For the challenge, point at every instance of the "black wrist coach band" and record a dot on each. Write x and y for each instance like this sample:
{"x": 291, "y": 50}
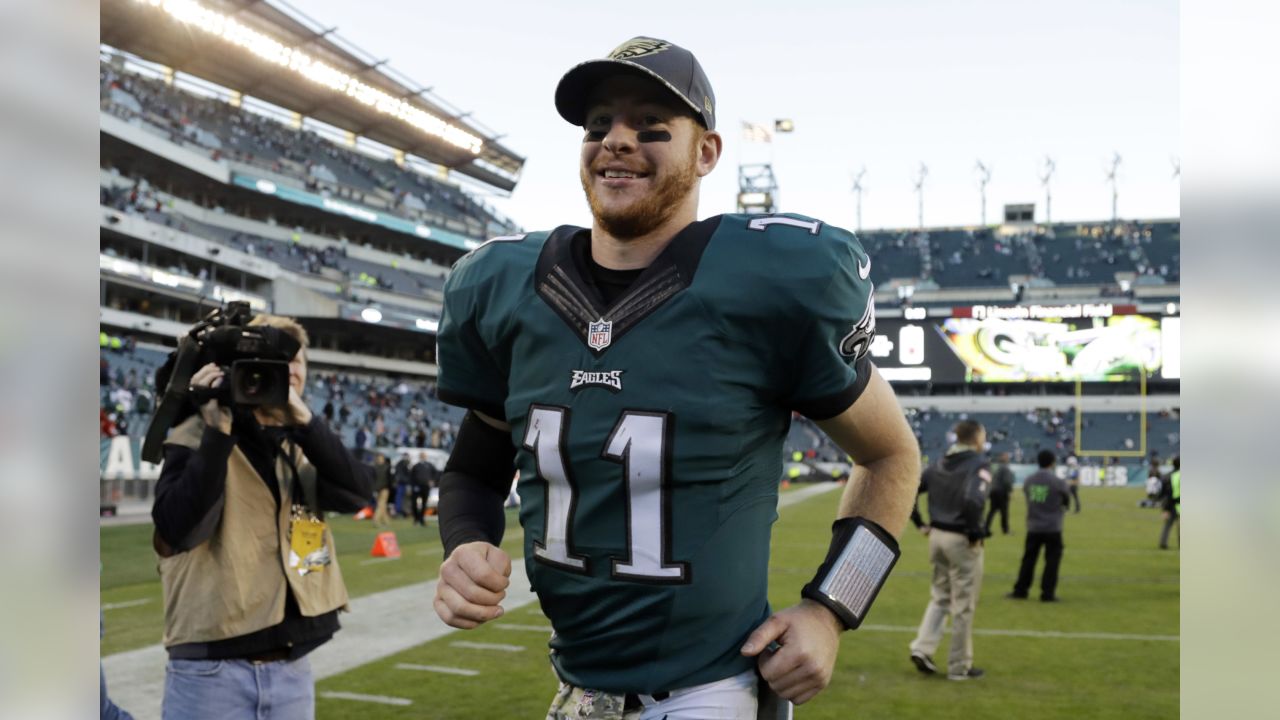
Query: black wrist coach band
{"x": 859, "y": 561}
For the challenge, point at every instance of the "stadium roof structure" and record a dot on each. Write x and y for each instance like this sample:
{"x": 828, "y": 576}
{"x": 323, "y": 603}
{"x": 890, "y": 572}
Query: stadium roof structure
{"x": 283, "y": 57}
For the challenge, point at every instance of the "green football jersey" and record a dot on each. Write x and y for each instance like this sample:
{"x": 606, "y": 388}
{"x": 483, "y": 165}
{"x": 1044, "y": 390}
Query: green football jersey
{"x": 650, "y": 431}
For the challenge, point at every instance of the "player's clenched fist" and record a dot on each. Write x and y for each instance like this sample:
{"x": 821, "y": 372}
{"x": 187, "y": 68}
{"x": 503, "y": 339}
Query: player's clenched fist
{"x": 473, "y": 581}
{"x": 808, "y": 637}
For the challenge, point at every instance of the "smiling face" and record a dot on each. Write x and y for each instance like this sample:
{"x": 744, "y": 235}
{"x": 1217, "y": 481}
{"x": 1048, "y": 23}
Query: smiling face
{"x": 642, "y": 157}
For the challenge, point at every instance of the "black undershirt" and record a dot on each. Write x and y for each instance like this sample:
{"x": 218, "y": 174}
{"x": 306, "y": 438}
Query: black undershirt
{"x": 608, "y": 284}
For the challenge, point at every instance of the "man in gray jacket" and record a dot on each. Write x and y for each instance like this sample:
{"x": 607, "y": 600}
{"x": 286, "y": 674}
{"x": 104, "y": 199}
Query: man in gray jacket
{"x": 957, "y": 486}
{"x": 1047, "y": 499}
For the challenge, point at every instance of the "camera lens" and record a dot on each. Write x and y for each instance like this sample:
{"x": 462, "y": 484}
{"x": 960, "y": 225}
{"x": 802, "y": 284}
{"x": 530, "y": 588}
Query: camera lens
{"x": 253, "y": 381}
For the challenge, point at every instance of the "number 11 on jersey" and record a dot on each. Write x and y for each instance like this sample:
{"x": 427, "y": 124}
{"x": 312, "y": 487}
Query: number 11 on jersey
{"x": 638, "y": 443}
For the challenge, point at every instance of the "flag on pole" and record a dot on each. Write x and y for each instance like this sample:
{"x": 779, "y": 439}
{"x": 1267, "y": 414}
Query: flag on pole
{"x": 752, "y": 132}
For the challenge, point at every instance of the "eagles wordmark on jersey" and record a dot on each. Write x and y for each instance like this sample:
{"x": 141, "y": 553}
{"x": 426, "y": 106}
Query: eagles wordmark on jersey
{"x": 648, "y": 503}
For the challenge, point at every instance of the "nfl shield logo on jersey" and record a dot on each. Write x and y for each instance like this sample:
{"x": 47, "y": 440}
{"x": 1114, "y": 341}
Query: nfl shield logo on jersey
{"x": 599, "y": 334}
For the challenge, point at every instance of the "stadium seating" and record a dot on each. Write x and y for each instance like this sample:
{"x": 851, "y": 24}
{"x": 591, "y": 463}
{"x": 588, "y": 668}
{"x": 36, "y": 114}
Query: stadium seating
{"x": 1065, "y": 254}
{"x": 301, "y": 259}
{"x": 256, "y": 140}
{"x": 1023, "y": 435}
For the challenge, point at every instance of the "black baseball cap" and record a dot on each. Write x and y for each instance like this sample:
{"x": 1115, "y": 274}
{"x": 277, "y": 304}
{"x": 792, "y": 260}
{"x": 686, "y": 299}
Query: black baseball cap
{"x": 671, "y": 65}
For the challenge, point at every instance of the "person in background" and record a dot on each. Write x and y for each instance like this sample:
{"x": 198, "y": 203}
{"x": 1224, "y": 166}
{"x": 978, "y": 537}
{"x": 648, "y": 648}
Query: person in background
{"x": 422, "y": 478}
{"x": 1047, "y": 500}
{"x": 1001, "y": 487}
{"x": 401, "y": 476}
{"x": 248, "y": 567}
{"x": 957, "y": 486}
{"x": 1154, "y": 484}
{"x": 1171, "y": 498}
{"x": 1073, "y": 480}
{"x": 381, "y": 486}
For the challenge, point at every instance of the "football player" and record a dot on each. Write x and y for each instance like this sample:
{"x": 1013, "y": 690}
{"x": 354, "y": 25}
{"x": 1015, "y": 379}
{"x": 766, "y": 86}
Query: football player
{"x": 640, "y": 375}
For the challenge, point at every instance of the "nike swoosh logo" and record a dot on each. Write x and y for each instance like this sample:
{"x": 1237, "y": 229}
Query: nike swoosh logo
{"x": 864, "y": 271}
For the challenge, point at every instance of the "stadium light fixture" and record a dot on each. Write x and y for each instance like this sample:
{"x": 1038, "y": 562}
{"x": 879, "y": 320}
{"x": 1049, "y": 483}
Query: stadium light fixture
{"x": 427, "y": 324}
{"x": 1045, "y": 177}
{"x": 267, "y": 48}
{"x": 371, "y": 315}
{"x": 919, "y": 185}
{"x": 984, "y": 177}
{"x": 1115, "y": 193}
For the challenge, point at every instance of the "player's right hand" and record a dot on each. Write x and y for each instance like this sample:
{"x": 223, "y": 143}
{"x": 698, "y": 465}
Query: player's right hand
{"x": 473, "y": 581}
{"x": 213, "y": 414}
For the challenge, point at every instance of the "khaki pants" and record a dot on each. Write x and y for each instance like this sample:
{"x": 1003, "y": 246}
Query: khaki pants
{"x": 957, "y": 582}
{"x": 381, "y": 517}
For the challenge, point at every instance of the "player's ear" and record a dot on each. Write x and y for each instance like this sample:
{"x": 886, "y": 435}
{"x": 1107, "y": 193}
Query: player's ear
{"x": 710, "y": 145}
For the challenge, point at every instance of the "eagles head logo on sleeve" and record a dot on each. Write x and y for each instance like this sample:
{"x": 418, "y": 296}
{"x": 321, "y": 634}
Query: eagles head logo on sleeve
{"x": 638, "y": 47}
{"x": 858, "y": 341}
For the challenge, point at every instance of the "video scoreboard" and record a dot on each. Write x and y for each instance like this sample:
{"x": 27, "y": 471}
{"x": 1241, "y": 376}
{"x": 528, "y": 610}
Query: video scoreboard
{"x": 1028, "y": 343}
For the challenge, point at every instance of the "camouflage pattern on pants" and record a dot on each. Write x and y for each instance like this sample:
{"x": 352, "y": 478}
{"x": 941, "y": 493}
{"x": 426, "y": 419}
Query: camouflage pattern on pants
{"x": 575, "y": 703}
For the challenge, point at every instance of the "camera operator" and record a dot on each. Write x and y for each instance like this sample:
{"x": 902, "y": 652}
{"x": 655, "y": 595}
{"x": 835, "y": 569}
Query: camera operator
{"x": 248, "y": 567}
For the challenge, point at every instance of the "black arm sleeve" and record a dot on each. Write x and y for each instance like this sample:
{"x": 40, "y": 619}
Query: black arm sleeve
{"x": 475, "y": 485}
{"x": 191, "y": 490}
{"x": 343, "y": 483}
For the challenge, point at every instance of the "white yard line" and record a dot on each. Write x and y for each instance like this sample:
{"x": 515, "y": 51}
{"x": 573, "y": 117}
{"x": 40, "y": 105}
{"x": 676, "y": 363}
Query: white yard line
{"x": 438, "y": 669}
{"x": 1038, "y": 634}
{"x": 379, "y": 699}
{"x": 525, "y": 628}
{"x": 126, "y": 604}
{"x": 378, "y": 626}
{"x": 467, "y": 644}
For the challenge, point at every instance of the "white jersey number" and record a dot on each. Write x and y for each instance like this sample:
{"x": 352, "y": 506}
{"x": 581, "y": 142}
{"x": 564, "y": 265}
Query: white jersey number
{"x": 638, "y": 443}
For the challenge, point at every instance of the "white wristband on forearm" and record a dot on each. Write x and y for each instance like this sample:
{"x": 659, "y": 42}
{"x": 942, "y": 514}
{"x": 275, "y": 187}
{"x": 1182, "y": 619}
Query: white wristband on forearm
{"x": 859, "y": 561}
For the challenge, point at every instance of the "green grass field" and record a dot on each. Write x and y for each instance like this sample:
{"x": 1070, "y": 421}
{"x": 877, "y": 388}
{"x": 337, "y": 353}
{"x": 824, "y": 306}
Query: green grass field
{"x": 1114, "y": 582}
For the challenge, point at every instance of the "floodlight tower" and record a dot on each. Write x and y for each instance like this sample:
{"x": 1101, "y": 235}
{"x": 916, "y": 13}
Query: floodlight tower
{"x": 857, "y": 189}
{"x": 1115, "y": 194}
{"x": 757, "y": 189}
{"x": 919, "y": 185}
{"x": 1045, "y": 176}
{"x": 757, "y": 185}
{"x": 984, "y": 176}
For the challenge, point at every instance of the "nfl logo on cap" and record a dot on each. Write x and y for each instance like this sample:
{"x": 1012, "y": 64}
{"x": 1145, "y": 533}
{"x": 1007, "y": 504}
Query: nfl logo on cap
{"x": 599, "y": 334}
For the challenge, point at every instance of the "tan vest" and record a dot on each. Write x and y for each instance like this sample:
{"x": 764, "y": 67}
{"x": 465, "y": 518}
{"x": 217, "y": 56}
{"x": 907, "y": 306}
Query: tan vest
{"x": 234, "y": 583}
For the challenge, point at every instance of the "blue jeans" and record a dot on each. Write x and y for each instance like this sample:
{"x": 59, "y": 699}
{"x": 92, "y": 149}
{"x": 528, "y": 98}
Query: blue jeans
{"x": 235, "y": 689}
{"x": 109, "y": 710}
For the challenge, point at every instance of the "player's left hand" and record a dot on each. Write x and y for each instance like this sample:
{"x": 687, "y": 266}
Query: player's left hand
{"x": 809, "y": 635}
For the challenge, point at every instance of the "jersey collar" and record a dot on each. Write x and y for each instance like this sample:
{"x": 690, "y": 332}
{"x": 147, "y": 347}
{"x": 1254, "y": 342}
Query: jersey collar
{"x": 561, "y": 284}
